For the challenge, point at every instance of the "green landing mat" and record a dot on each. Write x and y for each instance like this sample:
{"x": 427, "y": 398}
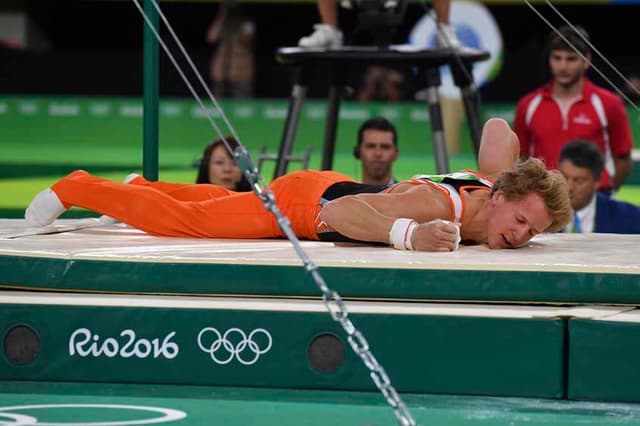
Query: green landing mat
{"x": 42, "y": 403}
{"x": 603, "y": 358}
{"x": 82, "y": 275}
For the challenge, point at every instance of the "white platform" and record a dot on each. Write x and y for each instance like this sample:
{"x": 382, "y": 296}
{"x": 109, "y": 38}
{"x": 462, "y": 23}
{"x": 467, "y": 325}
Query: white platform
{"x": 548, "y": 252}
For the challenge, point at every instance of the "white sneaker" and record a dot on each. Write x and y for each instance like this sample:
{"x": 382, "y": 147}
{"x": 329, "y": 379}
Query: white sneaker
{"x": 446, "y": 37}
{"x": 324, "y": 36}
{"x": 44, "y": 209}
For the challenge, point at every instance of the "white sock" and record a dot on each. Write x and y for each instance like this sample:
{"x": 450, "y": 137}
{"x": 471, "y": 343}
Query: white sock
{"x": 107, "y": 220}
{"x": 130, "y": 177}
{"x": 44, "y": 209}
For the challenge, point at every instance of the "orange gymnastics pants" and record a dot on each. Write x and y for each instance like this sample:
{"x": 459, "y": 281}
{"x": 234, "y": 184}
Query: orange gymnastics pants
{"x": 201, "y": 210}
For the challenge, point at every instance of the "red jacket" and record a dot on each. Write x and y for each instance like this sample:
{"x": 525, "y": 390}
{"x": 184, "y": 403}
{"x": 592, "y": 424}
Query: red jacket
{"x": 598, "y": 116}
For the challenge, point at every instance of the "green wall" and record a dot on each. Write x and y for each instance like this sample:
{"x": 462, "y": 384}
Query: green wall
{"x": 44, "y": 138}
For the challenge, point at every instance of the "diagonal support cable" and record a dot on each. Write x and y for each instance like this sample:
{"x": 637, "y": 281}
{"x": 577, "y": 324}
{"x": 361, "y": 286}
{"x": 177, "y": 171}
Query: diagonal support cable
{"x": 546, "y": 21}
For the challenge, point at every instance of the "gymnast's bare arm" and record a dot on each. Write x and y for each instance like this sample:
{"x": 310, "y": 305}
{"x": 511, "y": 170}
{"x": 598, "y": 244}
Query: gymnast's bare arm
{"x": 499, "y": 148}
{"x": 369, "y": 217}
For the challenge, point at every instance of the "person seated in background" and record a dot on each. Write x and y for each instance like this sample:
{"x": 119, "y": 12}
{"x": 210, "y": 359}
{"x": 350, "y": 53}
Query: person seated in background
{"x": 328, "y": 35}
{"x": 504, "y": 205}
{"x": 377, "y": 149}
{"x": 582, "y": 163}
{"x": 219, "y": 168}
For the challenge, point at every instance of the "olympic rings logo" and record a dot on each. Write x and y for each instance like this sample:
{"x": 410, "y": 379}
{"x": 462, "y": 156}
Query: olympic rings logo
{"x": 234, "y": 343}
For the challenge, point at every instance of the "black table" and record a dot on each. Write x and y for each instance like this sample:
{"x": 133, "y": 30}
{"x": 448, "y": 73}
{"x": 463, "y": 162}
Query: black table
{"x": 426, "y": 61}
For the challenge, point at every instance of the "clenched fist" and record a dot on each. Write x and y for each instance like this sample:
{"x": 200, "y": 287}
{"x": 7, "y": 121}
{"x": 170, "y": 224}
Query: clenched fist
{"x": 437, "y": 235}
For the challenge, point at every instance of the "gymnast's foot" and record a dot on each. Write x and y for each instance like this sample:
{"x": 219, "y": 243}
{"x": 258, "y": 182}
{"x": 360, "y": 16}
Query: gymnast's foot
{"x": 46, "y": 206}
{"x": 446, "y": 37}
{"x": 131, "y": 177}
{"x": 324, "y": 36}
{"x": 44, "y": 209}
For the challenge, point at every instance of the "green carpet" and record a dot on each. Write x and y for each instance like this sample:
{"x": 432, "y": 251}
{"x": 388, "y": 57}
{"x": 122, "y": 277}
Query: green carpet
{"x": 112, "y": 404}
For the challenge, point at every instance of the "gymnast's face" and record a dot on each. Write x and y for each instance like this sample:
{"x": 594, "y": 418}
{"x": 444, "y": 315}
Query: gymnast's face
{"x": 514, "y": 222}
{"x": 223, "y": 170}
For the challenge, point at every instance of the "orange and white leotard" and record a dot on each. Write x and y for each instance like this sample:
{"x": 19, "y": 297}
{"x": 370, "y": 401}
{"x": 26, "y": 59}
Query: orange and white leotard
{"x": 452, "y": 185}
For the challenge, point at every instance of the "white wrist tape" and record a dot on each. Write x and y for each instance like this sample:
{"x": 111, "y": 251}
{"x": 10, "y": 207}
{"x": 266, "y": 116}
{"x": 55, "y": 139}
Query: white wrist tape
{"x": 401, "y": 233}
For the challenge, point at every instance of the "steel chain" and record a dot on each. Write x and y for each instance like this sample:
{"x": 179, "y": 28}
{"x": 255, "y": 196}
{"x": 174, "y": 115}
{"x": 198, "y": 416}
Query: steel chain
{"x": 331, "y": 298}
{"x": 360, "y": 346}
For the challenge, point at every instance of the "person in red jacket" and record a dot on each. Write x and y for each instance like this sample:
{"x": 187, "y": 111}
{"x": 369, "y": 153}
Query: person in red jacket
{"x": 572, "y": 107}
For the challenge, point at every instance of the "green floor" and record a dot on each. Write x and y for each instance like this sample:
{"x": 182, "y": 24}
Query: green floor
{"x": 108, "y": 404}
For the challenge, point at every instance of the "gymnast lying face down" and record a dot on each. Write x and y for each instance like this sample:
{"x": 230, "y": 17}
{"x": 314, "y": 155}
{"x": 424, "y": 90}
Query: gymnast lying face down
{"x": 502, "y": 205}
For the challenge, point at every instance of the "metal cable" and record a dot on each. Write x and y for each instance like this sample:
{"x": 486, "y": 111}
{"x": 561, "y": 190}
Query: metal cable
{"x": 546, "y": 21}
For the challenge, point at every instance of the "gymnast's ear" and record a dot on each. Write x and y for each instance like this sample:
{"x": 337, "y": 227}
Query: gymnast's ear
{"x": 356, "y": 151}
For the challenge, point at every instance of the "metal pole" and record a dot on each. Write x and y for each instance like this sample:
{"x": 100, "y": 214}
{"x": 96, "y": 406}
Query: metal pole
{"x": 331, "y": 129}
{"x": 462, "y": 73}
{"x": 435, "y": 115}
{"x": 150, "y": 95}
{"x": 471, "y": 101}
{"x": 298, "y": 95}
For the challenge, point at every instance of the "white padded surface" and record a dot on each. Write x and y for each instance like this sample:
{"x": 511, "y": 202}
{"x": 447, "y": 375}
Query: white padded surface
{"x": 547, "y": 252}
{"x": 291, "y": 305}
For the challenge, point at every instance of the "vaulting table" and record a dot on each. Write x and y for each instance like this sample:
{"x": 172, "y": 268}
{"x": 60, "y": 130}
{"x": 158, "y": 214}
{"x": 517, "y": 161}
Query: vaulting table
{"x": 427, "y": 62}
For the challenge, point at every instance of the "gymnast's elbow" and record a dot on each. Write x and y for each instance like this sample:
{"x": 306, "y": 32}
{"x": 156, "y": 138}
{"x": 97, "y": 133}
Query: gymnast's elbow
{"x": 341, "y": 211}
{"x": 331, "y": 213}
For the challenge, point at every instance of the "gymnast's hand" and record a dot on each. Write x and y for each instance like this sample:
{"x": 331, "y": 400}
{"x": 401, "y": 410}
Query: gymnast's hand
{"x": 436, "y": 235}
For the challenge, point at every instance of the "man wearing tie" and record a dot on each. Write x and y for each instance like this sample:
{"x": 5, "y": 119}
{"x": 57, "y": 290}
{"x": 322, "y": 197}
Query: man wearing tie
{"x": 581, "y": 163}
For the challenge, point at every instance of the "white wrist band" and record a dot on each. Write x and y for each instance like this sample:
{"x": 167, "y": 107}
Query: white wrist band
{"x": 401, "y": 232}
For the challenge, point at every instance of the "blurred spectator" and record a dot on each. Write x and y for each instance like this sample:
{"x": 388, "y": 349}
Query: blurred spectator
{"x": 231, "y": 34}
{"x": 377, "y": 149}
{"x": 581, "y": 163}
{"x": 327, "y": 33}
{"x": 632, "y": 89}
{"x": 381, "y": 84}
{"x": 572, "y": 107}
{"x": 218, "y": 167}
